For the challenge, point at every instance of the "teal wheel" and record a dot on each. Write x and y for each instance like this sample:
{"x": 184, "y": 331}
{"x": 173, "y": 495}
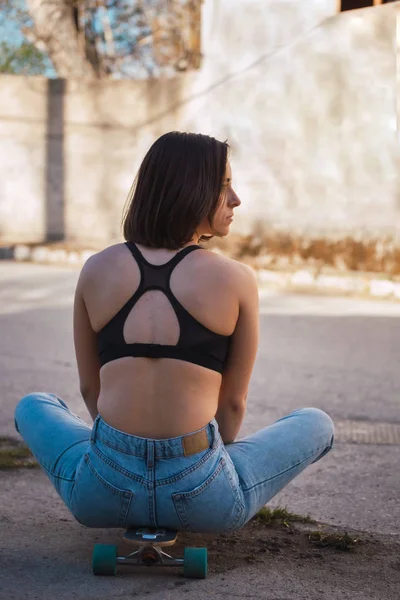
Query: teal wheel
{"x": 195, "y": 563}
{"x": 104, "y": 559}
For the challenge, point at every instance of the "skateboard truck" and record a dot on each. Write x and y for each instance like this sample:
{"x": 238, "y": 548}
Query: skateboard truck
{"x": 149, "y": 553}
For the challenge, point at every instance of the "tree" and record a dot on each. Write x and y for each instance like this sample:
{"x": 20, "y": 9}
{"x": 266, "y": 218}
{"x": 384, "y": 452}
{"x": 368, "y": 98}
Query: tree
{"x": 24, "y": 59}
{"x": 93, "y": 39}
{"x": 56, "y": 26}
{"x": 17, "y": 54}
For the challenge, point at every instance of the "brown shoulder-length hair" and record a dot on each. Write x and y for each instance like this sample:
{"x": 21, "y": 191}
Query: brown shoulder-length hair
{"x": 178, "y": 185}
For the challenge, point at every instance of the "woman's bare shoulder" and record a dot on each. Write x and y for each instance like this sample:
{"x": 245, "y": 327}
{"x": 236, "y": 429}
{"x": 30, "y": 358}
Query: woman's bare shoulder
{"x": 226, "y": 270}
{"x": 234, "y": 267}
{"x": 107, "y": 259}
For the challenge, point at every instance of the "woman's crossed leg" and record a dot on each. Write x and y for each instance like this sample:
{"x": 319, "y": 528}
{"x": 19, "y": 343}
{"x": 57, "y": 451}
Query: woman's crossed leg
{"x": 269, "y": 459}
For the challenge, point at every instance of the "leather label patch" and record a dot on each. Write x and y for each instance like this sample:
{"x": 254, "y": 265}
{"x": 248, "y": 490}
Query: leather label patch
{"x": 195, "y": 442}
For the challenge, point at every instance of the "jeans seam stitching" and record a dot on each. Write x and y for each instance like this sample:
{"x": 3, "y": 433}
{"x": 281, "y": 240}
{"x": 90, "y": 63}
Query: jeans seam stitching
{"x": 189, "y": 470}
{"x": 189, "y": 495}
{"x": 122, "y": 521}
{"x": 116, "y": 491}
{"x": 237, "y": 496}
{"x": 119, "y": 449}
{"x": 50, "y": 472}
{"x": 118, "y": 468}
{"x": 69, "y": 447}
{"x": 181, "y": 514}
{"x": 204, "y": 485}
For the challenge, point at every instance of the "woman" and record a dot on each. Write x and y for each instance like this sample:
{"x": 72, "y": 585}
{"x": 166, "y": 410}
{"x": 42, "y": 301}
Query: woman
{"x": 166, "y": 335}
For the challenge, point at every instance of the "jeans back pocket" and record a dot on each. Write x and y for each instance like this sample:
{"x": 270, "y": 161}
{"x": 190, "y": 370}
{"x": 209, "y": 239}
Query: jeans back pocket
{"x": 214, "y": 506}
{"x": 95, "y": 502}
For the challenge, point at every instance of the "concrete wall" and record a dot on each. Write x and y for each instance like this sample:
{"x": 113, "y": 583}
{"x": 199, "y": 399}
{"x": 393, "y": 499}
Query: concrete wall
{"x": 305, "y": 96}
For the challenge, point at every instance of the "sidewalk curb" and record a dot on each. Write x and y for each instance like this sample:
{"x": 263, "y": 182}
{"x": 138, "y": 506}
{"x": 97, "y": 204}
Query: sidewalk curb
{"x": 306, "y": 280}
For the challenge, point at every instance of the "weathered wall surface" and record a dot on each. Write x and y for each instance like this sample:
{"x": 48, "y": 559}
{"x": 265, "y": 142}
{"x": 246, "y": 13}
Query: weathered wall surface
{"x": 306, "y": 98}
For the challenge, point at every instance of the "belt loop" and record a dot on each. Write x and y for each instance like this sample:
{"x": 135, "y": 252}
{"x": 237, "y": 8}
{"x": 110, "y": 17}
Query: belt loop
{"x": 94, "y": 429}
{"x": 214, "y": 433}
{"x": 150, "y": 454}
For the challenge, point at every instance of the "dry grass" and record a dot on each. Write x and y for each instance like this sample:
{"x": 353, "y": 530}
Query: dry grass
{"x": 338, "y": 541}
{"x": 15, "y": 455}
{"x": 280, "y": 516}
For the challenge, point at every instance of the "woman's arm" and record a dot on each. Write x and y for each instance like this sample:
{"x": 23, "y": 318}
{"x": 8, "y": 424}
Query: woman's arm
{"x": 86, "y": 350}
{"x": 242, "y": 355}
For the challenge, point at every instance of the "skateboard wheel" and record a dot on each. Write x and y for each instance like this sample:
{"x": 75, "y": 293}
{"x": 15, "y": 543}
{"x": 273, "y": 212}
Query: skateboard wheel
{"x": 104, "y": 559}
{"x": 195, "y": 563}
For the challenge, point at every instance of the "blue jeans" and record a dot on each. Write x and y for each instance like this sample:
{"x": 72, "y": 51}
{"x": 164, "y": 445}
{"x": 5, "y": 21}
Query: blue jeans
{"x": 108, "y": 478}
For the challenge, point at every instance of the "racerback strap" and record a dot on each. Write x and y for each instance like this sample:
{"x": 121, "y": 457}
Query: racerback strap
{"x": 157, "y": 276}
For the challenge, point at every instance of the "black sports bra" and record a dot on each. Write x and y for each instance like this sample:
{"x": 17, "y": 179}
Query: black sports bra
{"x": 196, "y": 343}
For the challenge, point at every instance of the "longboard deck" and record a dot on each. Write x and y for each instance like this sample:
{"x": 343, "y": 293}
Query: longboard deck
{"x": 145, "y": 536}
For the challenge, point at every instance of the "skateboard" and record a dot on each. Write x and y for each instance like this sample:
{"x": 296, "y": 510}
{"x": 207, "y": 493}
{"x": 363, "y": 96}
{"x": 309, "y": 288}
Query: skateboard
{"x": 150, "y": 544}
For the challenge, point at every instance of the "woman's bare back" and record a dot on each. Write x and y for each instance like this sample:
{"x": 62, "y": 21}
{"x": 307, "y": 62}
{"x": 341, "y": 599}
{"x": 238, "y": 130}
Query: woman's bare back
{"x": 160, "y": 398}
